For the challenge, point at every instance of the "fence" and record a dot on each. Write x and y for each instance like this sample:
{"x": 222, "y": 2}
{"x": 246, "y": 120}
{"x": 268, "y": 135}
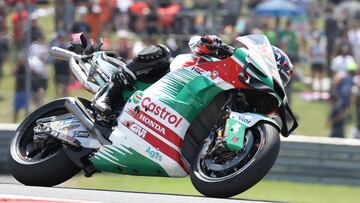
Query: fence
{"x": 301, "y": 158}
{"x": 318, "y": 160}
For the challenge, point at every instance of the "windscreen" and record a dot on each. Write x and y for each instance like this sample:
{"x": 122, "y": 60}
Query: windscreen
{"x": 260, "y": 52}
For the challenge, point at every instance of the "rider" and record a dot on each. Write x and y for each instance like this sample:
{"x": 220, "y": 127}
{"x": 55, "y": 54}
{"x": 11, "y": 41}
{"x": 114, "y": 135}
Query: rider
{"x": 109, "y": 98}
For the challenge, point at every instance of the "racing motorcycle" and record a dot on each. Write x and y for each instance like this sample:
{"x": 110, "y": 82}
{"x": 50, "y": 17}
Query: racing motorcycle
{"x": 218, "y": 121}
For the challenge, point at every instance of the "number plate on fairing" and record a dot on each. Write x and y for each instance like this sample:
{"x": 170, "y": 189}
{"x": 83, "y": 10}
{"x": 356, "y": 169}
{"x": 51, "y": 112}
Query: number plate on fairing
{"x": 236, "y": 125}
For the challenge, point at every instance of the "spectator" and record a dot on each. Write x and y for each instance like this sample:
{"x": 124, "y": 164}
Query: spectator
{"x": 136, "y": 13}
{"x": 340, "y": 100}
{"x": 4, "y": 45}
{"x": 354, "y": 40}
{"x": 343, "y": 60}
{"x": 60, "y": 11}
{"x": 121, "y": 17}
{"x": 318, "y": 60}
{"x": 69, "y": 15}
{"x": 19, "y": 21}
{"x": 342, "y": 41}
{"x": 289, "y": 44}
{"x": 270, "y": 33}
{"x": 61, "y": 67}
{"x": 124, "y": 45}
{"x": 152, "y": 21}
{"x": 36, "y": 30}
{"x": 199, "y": 25}
{"x": 233, "y": 9}
{"x": 81, "y": 25}
{"x": 336, "y": 120}
{"x": 106, "y": 8}
{"x": 167, "y": 13}
{"x": 92, "y": 18}
{"x": 37, "y": 60}
{"x": 331, "y": 32}
{"x": 21, "y": 98}
{"x": 124, "y": 5}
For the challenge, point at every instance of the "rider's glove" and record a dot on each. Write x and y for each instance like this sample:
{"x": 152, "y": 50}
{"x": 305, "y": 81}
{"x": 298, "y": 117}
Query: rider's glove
{"x": 204, "y": 45}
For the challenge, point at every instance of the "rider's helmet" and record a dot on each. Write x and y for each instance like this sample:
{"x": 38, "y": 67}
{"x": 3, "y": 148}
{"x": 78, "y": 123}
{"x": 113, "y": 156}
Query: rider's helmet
{"x": 284, "y": 65}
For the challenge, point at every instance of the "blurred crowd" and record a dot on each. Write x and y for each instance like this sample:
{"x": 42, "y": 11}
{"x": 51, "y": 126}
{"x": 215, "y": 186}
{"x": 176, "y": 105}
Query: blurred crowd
{"x": 322, "y": 38}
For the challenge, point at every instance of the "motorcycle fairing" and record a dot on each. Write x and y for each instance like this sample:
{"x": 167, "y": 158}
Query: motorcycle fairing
{"x": 154, "y": 121}
{"x": 237, "y": 124}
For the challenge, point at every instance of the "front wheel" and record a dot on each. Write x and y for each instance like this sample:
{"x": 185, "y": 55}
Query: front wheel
{"x": 40, "y": 165}
{"x": 224, "y": 173}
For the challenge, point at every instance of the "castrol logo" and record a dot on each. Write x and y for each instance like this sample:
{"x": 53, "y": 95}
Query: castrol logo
{"x": 161, "y": 111}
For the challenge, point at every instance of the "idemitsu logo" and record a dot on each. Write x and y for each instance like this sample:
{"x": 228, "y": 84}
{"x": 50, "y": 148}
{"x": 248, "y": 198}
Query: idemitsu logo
{"x": 160, "y": 111}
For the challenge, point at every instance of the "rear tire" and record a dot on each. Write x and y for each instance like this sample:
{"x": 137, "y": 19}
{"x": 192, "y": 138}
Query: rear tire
{"x": 52, "y": 167}
{"x": 246, "y": 176}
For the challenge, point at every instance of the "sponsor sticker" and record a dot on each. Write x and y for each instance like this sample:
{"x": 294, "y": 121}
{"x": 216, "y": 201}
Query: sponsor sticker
{"x": 236, "y": 127}
{"x": 244, "y": 119}
{"x": 138, "y": 130}
{"x": 197, "y": 70}
{"x": 214, "y": 75}
{"x": 82, "y": 134}
{"x": 152, "y": 124}
{"x": 153, "y": 153}
{"x": 70, "y": 127}
{"x": 234, "y": 139}
{"x": 161, "y": 111}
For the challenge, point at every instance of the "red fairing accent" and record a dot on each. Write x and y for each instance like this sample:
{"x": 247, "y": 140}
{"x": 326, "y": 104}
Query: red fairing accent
{"x": 227, "y": 69}
{"x": 158, "y": 144}
{"x": 168, "y": 134}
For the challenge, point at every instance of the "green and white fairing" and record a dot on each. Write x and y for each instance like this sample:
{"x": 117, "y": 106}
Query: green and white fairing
{"x": 153, "y": 123}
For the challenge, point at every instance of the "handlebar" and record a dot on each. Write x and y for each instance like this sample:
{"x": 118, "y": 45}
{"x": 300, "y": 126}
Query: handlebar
{"x": 63, "y": 54}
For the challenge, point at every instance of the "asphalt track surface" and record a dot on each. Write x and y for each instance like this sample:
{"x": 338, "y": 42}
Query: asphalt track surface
{"x": 10, "y": 188}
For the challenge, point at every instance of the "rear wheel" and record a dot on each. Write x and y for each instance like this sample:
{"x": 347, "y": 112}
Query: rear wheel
{"x": 219, "y": 172}
{"x": 44, "y": 164}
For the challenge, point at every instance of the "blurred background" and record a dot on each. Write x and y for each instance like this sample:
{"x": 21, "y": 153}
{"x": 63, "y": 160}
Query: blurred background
{"x": 321, "y": 37}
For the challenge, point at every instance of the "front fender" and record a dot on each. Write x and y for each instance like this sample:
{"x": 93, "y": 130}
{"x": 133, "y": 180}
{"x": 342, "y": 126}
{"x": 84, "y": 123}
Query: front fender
{"x": 236, "y": 125}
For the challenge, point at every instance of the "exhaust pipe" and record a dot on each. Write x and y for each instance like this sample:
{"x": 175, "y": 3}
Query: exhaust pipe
{"x": 75, "y": 107}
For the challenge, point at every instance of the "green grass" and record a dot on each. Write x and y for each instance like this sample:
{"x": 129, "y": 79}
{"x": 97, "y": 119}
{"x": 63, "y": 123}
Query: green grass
{"x": 311, "y": 116}
{"x": 265, "y": 190}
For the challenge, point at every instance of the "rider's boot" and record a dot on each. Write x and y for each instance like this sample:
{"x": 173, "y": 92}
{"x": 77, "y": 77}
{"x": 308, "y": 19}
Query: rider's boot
{"x": 109, "y": 99}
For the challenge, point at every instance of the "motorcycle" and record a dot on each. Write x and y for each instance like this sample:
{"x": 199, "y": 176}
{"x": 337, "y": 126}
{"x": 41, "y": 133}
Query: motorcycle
{"x": 218, "y": 121}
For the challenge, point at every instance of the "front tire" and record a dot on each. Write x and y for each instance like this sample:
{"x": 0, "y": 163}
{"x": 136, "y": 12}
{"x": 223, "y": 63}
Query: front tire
{"x": 35, "y": 166}
{"x": 249, "y": 171}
